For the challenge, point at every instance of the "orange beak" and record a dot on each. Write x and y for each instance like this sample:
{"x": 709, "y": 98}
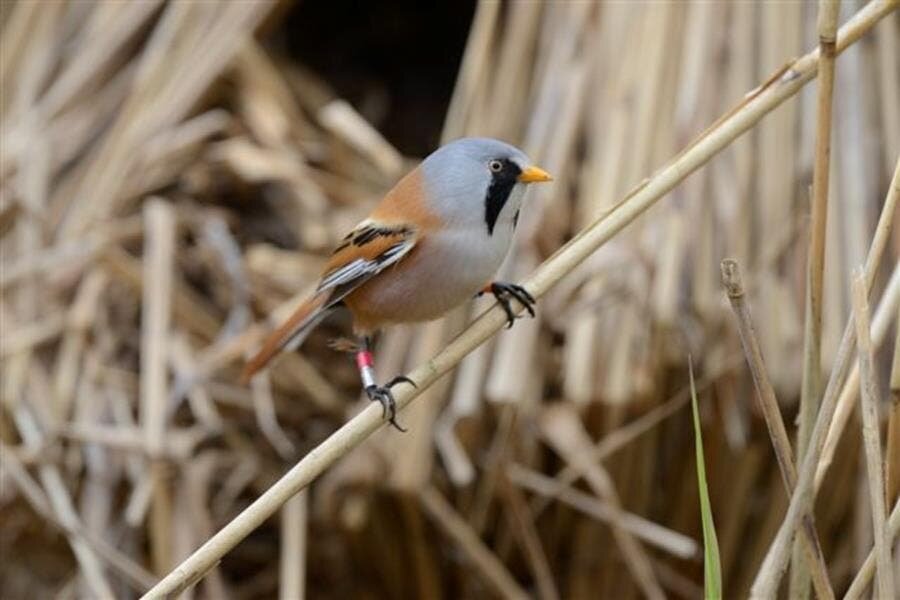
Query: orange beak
{"x": 534, "y": 175}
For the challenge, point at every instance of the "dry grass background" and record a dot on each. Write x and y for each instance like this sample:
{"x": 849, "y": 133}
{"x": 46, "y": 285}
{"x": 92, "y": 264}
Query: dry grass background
{"x": 168, "y": 181}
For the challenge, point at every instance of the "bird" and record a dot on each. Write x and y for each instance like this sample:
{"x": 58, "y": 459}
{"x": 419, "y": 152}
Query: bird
{"x": 435, "y": 240}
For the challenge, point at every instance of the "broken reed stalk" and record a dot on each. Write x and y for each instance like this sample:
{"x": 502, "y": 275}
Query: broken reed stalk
{"x": 770, "y": 572}
{"x": 809, "y": 541}
{"x": 815, "y": 266}
{"x": 868, "y": 396}
{"x": 758, "y": 103}
{"x": 734, "y": 287}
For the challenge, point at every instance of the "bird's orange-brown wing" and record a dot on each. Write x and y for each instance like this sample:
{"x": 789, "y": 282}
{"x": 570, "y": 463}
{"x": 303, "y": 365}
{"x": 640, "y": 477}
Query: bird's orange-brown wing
{"x": 363, "y": 253}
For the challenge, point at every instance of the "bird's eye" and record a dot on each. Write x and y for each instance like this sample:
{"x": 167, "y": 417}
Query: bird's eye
{"x": 496, "y": 166}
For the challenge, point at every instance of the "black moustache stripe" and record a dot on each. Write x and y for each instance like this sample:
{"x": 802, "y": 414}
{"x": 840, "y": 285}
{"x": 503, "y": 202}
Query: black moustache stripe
{"x": 502, "y": 183}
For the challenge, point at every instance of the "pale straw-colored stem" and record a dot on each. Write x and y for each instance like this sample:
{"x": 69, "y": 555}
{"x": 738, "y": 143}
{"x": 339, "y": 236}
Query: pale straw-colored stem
{"x": 770, "y": 572}
{"x": 159, "y": 250}
{"x": 294, "y": 540}
{"x": 815, "y": 265}
{"x": 847, "y": 399}
{"x": 754, "y": 107}
{"x": 868, "y": 393}
{"x": 860, "y": 584}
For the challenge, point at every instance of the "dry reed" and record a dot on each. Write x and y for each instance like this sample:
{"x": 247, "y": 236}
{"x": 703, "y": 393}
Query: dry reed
{"x": 815, "y": 271}
{"x": 167, "y": 177}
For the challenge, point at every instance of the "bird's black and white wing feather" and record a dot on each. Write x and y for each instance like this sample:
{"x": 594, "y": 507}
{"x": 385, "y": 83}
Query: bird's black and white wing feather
{"x": 366, "y": 251}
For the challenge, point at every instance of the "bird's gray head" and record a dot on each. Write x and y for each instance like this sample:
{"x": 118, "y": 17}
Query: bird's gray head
{"x": 479, "y": 179}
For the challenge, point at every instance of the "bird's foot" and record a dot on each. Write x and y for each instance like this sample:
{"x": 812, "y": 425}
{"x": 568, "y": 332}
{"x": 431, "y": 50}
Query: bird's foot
{"x": 400, "y": 379}
{"x": 380, "y": 393}
{"x": 383, "y": 395}
{"x": 505, "y": 292}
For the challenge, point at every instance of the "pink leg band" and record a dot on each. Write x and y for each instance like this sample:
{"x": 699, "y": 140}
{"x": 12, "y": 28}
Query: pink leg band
{"x": 364, "y": 362}
{"x": 364, "y": 359}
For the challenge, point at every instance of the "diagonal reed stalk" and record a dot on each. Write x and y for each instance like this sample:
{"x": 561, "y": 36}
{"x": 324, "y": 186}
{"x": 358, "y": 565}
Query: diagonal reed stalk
{"x": 847, "y": 398}
{"x": 866, "y": 572}
{"x": 759, "y": 102}
{"x": 812, "y": 551}
{"x": 770, "y": 572}
{"x": 815, "y": 266}
{"x": 869, "y": 401}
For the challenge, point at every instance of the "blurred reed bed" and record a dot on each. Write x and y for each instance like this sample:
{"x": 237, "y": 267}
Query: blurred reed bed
{"x": 171, "y": 187}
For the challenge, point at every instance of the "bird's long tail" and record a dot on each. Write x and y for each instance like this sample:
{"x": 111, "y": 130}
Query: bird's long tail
{"x": 289, "y": 335}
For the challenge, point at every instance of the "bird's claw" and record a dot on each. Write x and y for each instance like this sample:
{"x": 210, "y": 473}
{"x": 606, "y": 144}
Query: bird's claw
{"x": 383, "y": 395}
{"x": 400, "y": 379}
{"x": 504, "y": 291}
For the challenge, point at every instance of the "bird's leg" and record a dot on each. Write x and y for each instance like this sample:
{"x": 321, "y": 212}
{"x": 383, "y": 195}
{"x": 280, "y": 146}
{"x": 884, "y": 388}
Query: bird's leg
{"x": 375, "y": 392}
{"x": 504, "y": 292}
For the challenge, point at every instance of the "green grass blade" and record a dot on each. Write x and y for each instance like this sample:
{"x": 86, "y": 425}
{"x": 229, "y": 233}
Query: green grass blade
{"x": 712, "y": 568}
